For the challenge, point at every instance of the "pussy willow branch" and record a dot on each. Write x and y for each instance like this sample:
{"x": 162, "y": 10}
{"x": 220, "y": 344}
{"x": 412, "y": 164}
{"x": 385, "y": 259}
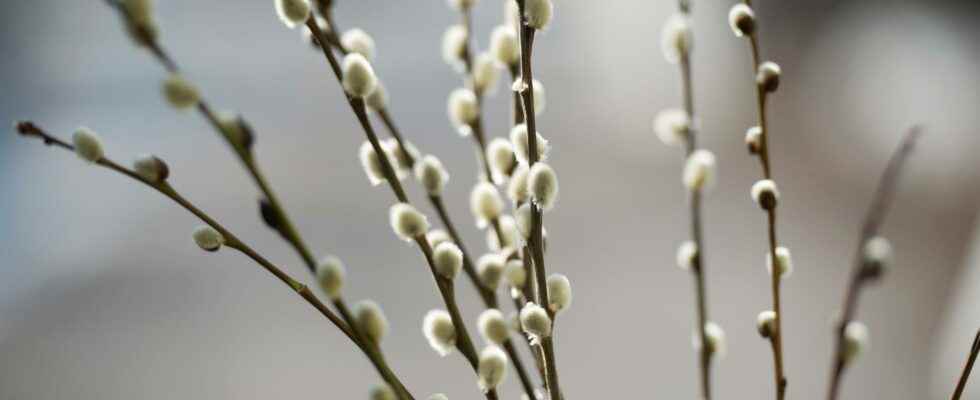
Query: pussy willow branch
{"x": 463, "y": 341}
{"x": 961, "y": 385}
{"x": 697, "y": 266}
{"x": 880, "y": 205}
{"x": 284, "y": 225}
{"x": 29, "y": 129}
{"x": 776, "y": 337}
{"x": 486, "y": 294}
{"x": 477, "y": 125}
{"x": 537, "y": 220}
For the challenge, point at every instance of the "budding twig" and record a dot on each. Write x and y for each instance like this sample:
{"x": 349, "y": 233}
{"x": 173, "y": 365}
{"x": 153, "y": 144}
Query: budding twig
{"x": 29, "y": 129}
{"x": 880, "y": 204}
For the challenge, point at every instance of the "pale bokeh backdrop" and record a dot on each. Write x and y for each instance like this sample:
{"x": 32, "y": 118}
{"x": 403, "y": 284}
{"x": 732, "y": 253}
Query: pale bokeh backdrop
{"x": 103, "y": 295}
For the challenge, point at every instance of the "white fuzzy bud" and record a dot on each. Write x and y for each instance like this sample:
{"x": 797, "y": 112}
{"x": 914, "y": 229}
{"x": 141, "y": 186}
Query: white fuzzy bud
{"x": 330, "y": 274}
{"x": 505, "y": 46}
{"x": 715, "y": 338}
{"x": 512, "y": 14}
{"x": 500, "y": 153}
{"x": 559, "y": 292}
{"x": 515, "y": 274}
{"x": 88, "y": 145}
{"x": 768, "y": 76}
{"x": 542, "y": 184}
{"x": 371, "y": 164}
{"x": 437, "y": 237}
{"x": 378, "y": 99}
{"x": 741, "y": 18}
{"x": 490, "y": 268}
{"x": 382, "y": 392}
{"x": 235, "y": 129}
{"x": 687, "y": 252}
{"x": 485, "y": 203}
{"x": 535, "y": 321}
{"x": 454, "y": 46}
{"x": 293, "y": 12}
{"x": 699, "y": 171}
{"x": 753, "y": 139}
{"x": 180, "y": 93}
{"x": 519, "y": 140}
{"x": 151, "y": 168}
{"x": 401, "y": 157}
{"x": 517, "y": 186}
{"x": 370, "y": 320}
{"x": 539, "y": 98}
{"x": 785, "y": 261}
{"x": 438, "y": 396}
{"x": 855, "y": 340}
{"x": 431, "y": 174}
{"x": 208, "y": 238}
{"x": 359, "y": 79}
{"x": 463, "y": 107}
{"x": 439, "y": 331}
{"x": 447, "y": 259}
{"x": 485, "y": 73}
{"x": 492, "y": 368}
{"x": 877, "y": 250}
{"x": 538, "y": 13}
{"x": 765, "y": 194}
{"x": 766, "y": 323}
{"x": 676, "y": 38}
{"x": 523, "y": 218}
{"x": 672, "y": 126}
{"x": 508, "y": 229}
{"x": 358, "y": 41}
{"x": 407, "y": 222}
{"x": 493, "y": 326}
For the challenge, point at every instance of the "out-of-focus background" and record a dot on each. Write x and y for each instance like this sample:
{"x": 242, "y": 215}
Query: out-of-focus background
{"x": 103, "y": 294}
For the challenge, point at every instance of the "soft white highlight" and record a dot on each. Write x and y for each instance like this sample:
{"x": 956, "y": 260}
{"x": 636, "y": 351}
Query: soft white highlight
{"x": 542, "y": 183}
{"x": 151, "y": 168}
{"x": 741, "y": 19}
{"x": 356, "y": 40}
{"x": 463, "y": 107}
{"x": 686, "y": 254}
{"x": 505, "y": 46}
{"x": 293, "y": 12}
{"x": 535, "y": 321}
{"x": 493, "y": 326}
{"x": 765, "y": 323}
{"x": 492, "y": 368}
{"x": 400, "y": 156}
{"x": 500, "y": 154}
{"x": 180, "y": 93}
{"x": 447, "y": 259}
{"x": 431, "y": 174}
{"x": 486, "y": 75}
{"x": 676, "y": 38}
{"x": 490, "y": 268}
{"x": 519, "y": 140}
{"x": 515, "y": 274}
{"x": 855, "y": 340}
{"x": 517, "y": 186}
{"x": 699, "y": 171}
{"x": 559, "y": 293}
{"x": 508, "y": 230}
{"x": 765, "y": 193}
{"x": 371, "y": 164}
{"x": 359, "y": 79}
{"x": 382, "y": 392}
{"x": 672, "y": 126}
{"x": 407, "y": 222}
{"x": 784, "y": 259}
{"x": 88, "y": 145}
{"x": 714, "y": 336}
{"x": 439, "y": 331}
{"x": 454, "y": 46}
{"x": 485, "y": 203}
{"x": 538, "y": 13}
{"x": 331, "y": 274}
{"x": 877, "y": 250}
{"x": 523, "y": 218}
{"x": 378, "y": 99}
{"x": 371, "y": 321}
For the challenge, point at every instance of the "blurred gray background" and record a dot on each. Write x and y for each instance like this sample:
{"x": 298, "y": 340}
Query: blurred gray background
{"x": 103, "y": 294}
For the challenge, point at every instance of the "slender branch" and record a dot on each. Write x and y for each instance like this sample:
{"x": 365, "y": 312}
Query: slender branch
{"x": 463, "y": 341}
{"x": 537, "y": 219}
{"x": 776, "y": 337}
{"x": 29, "y": 129}
{"x": 283, "y": 224}
{"x": 880, "y": 204}
{"x": 974, "y": 350}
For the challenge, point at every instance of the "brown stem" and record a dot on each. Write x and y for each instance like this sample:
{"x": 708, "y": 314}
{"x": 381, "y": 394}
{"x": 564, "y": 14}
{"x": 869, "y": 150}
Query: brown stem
{"x": 961, "y": 384}
{"x": 30, "y": 129}
{"x": 875, "y": 216}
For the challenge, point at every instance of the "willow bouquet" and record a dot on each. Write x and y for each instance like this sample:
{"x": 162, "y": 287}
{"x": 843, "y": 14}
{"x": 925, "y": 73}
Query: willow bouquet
{"x": 520, "y": 301}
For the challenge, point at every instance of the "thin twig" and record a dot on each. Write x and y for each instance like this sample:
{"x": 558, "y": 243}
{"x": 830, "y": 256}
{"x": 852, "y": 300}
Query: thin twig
{"x": 961, "y": 385}
{"x": 880, "y": 204}
{"x": 29, "y": 129}
{"x": 463, "y": 341}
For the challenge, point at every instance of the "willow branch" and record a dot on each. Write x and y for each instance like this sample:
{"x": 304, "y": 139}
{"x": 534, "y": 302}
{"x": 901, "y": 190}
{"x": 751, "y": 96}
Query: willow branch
{"x": 880, "y": 204}
{"x": 29, "y": 129}
{"x": 961, "y": 385}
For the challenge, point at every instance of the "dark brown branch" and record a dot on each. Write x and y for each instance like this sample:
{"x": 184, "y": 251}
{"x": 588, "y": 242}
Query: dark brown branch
{"x": 972, "y": 358}
{"x": 880, "y": 204}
